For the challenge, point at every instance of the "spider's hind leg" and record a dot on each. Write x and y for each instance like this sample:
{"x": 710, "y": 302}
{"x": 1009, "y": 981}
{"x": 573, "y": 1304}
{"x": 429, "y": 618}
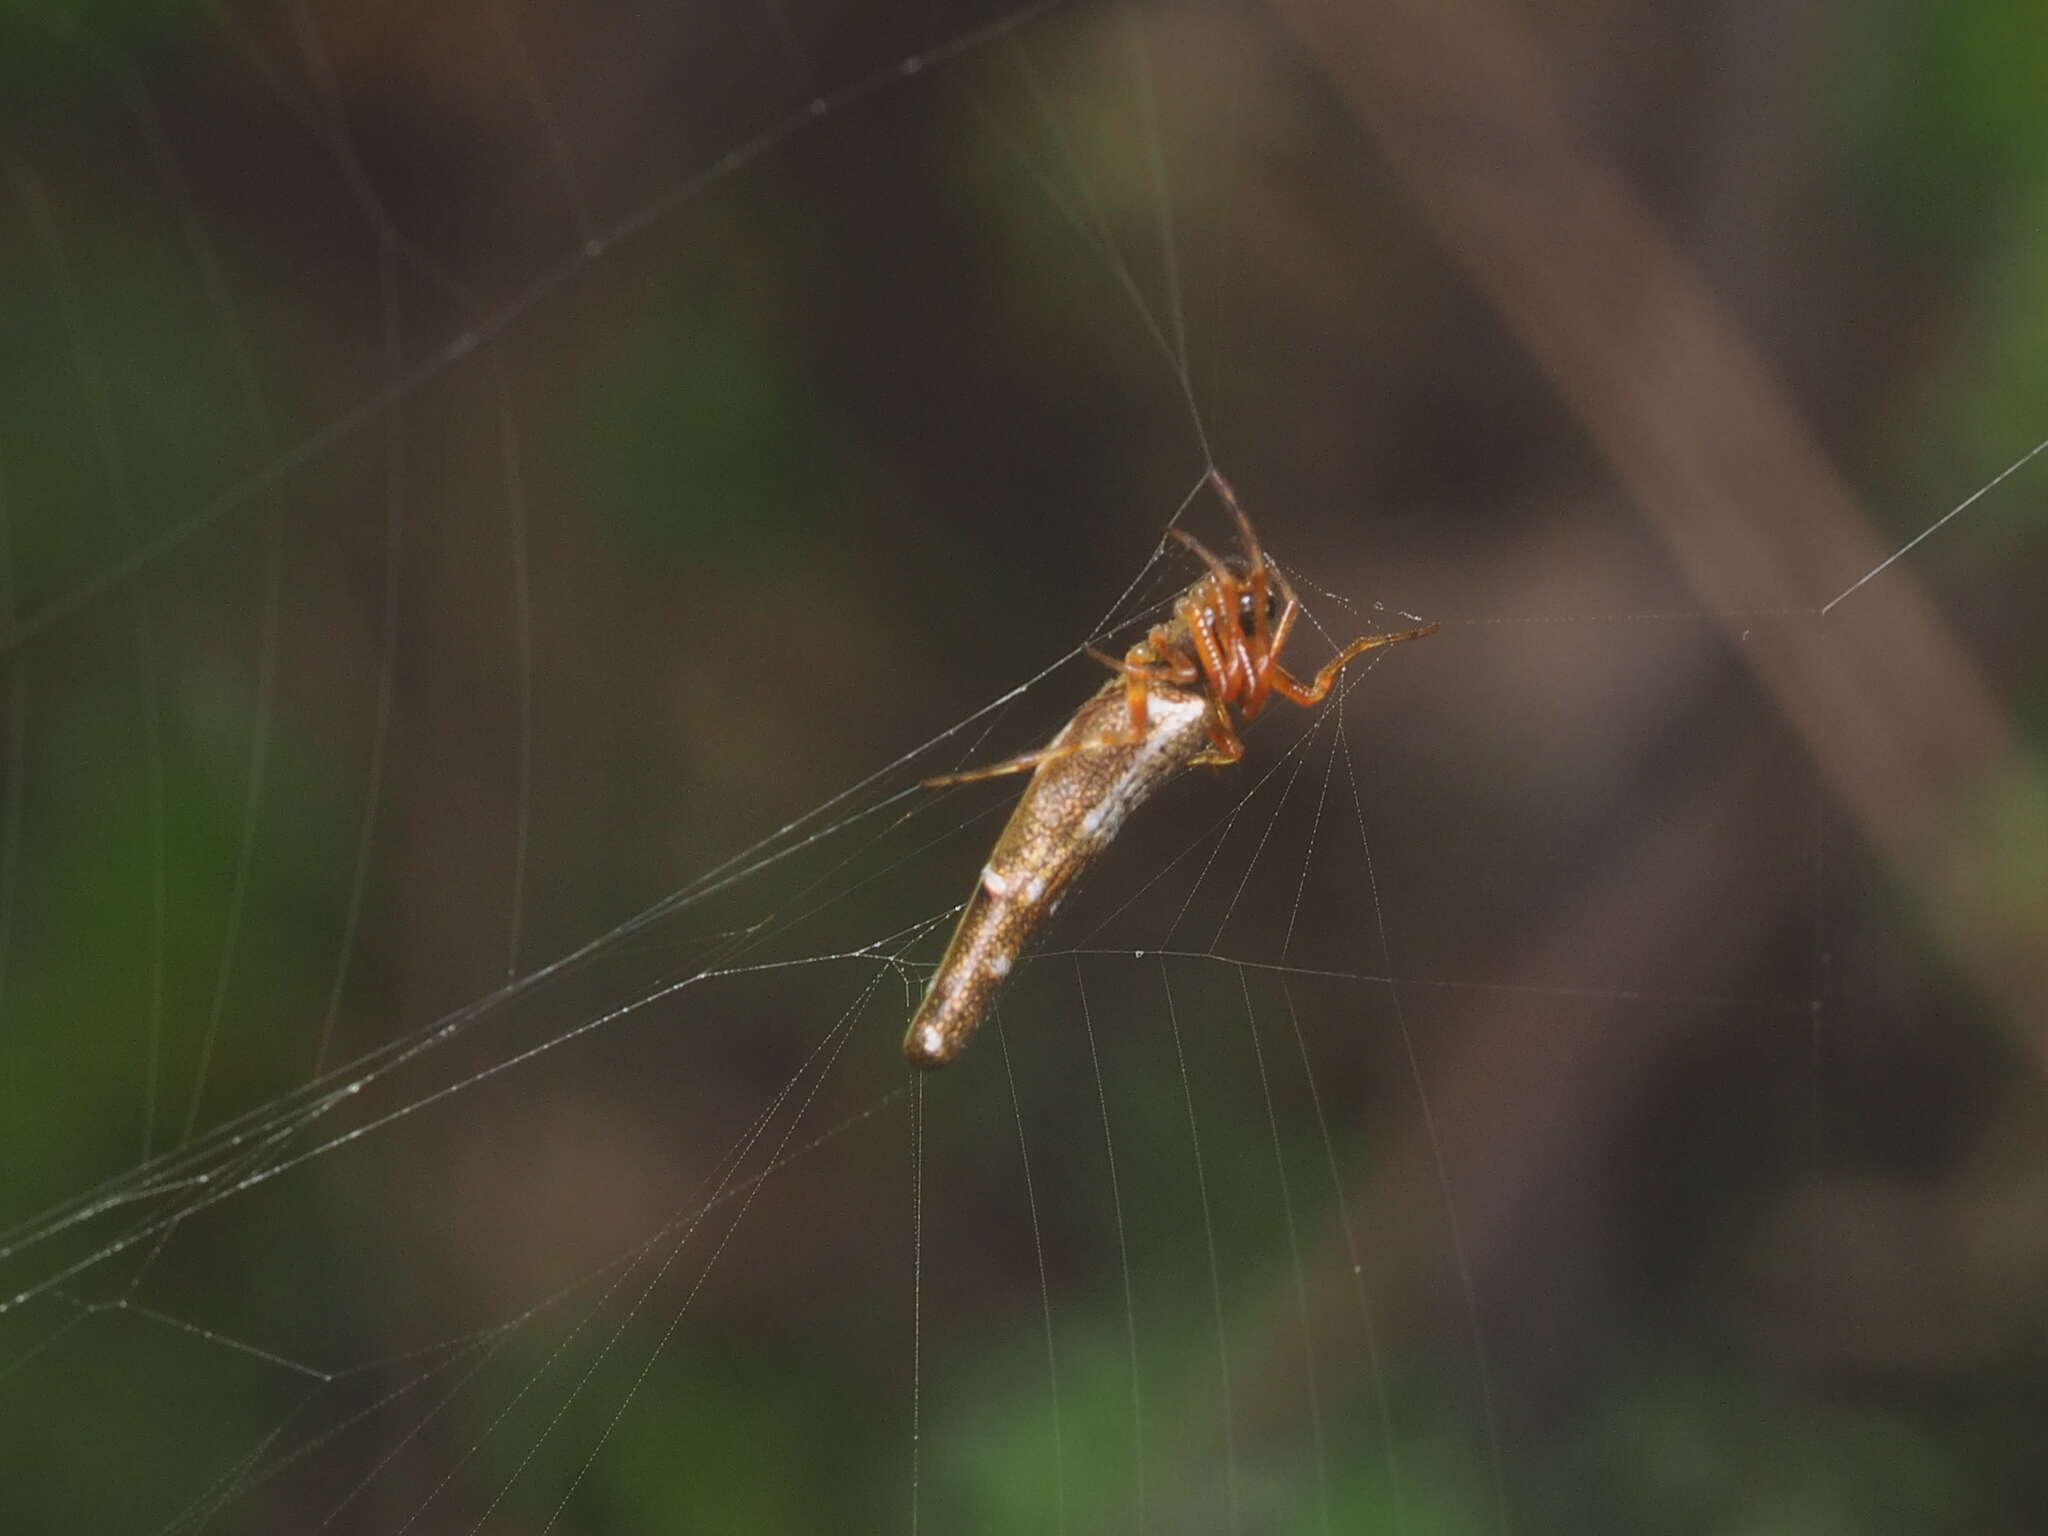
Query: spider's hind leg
{"x": 1024, "y": 764}
{"x": 1168, "y": 667}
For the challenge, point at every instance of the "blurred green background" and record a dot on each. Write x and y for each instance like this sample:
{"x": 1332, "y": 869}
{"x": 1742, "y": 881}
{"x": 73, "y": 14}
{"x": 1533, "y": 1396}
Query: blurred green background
{"x": 469, "y": 472}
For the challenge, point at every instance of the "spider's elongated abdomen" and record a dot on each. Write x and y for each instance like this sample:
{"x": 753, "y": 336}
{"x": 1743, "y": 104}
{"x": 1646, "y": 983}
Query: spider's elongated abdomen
{"x": 1073, "y": 806}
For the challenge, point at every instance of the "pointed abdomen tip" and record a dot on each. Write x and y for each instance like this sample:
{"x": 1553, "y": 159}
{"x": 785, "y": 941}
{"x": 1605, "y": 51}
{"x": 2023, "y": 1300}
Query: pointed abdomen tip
{"x": 925, "y": 1046}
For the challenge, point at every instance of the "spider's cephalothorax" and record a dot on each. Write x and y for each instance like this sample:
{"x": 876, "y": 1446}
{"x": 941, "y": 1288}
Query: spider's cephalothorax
{"x": 1168, "y": 707}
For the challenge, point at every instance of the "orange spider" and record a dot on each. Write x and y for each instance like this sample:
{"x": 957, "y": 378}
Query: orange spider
{"x": 1167, "y": 709}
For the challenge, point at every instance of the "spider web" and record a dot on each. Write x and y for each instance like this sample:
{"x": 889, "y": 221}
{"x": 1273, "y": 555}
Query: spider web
{"x": 462, "y": 471}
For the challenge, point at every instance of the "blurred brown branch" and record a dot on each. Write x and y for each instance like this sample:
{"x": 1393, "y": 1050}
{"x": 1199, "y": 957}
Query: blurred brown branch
{"x": 1681, "y": 405}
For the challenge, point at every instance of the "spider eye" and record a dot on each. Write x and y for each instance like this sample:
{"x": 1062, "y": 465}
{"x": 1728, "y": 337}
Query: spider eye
{"x": 1247, "y": 610}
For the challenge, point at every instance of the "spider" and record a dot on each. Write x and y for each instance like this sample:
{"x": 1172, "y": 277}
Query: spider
{"x": 1226, "y": 634}
{"x": 1168, "y": 708}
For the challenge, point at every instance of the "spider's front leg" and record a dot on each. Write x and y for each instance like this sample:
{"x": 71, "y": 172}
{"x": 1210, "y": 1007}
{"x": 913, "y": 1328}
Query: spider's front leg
{"x": 1256, "y": 567}
{"x": 1290, "y": 687}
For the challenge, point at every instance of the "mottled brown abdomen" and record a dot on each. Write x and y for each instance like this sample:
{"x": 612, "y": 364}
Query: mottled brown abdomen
{"x": 1070, "y": 810}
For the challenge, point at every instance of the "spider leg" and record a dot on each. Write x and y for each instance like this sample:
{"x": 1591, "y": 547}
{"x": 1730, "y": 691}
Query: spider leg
{"x": 1269, "y": 657}
{"x": 1203, "y": 553}
{"x": 1244, "y": 523}
{"x": 1216, "y": 663}
{"x": 1255, "y": 563}
{"x": 1254, "y": 552}
{"x": 1220, "y": 612}
{"x": 1290, "y": 610}
{"x": 1022, "y": 764}
{"x": 1290, "y": 687}
{"x": 1227, "y": 636}
{"x": 1225, "y": 747}
{"x": 1031, "y": 760}
{"x": 1169, "y": 667}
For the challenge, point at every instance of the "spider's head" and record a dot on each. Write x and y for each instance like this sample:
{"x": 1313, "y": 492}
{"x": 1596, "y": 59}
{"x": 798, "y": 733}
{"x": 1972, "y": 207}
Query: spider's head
{"x": 1247, "y": 608}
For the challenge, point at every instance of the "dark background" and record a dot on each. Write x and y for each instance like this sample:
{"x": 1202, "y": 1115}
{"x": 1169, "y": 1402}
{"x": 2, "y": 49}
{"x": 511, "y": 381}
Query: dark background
{"x": 470, "y": 471}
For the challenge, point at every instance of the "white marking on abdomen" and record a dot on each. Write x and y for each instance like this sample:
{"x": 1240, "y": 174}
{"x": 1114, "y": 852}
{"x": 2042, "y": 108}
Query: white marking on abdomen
{"x": 1168, "y": 718}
